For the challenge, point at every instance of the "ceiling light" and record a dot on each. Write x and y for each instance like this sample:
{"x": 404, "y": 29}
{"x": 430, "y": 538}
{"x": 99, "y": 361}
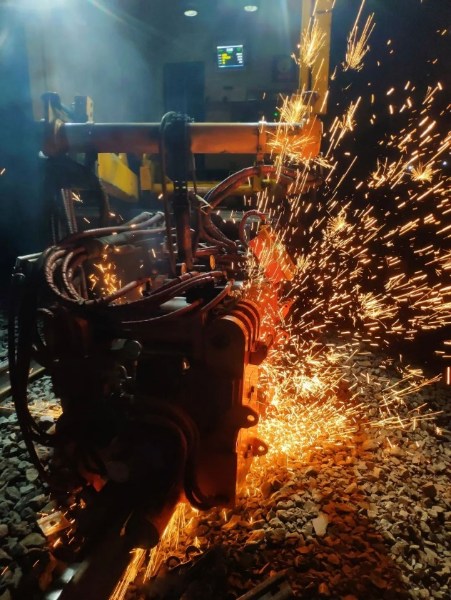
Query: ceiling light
{"x": 190, "y": 9}
{"x": 251, "y": 7}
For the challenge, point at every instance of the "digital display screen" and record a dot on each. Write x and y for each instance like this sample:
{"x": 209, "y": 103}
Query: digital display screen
{"x": 230, "y": 57}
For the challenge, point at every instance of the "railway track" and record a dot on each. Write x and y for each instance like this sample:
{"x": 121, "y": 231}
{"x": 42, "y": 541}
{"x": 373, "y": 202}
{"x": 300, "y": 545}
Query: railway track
{"x": 98, "y": 571}
{"x": 103, "y": 559}
{"x": 36, "y": 371}
{"x": 102, "y": 562}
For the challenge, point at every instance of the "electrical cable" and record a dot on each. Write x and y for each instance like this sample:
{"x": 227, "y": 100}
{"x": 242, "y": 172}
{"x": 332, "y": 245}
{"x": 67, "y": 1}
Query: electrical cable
{"x": 197, "y": 233}
{"x": 218, "y": 298}
{"x": 162, "y": 153}
{"x": 242, "y": 226}
{"x": 172, "y": 315}
{"x": 223, "y": 189}
{"x": 191, "y": 432}
{"x": 104, "y": 231}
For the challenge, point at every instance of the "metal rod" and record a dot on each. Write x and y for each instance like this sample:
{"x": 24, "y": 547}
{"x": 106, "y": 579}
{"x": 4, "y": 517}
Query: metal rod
{"x": 5, "y": 385}
{"x": 143, "y": 138}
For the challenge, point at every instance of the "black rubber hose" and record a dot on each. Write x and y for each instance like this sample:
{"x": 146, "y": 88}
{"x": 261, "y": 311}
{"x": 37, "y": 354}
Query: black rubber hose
{"x": 222, "y": 190}
{"x": 242, "y": 227}
{"x": 167, "y": 215}
{"x": 189, "y": 428}
{"x": 175, "y": 287}
{"x": 219, "y": 237}
{"x": 103, "y": 231}
{"x": 20, "y": 368}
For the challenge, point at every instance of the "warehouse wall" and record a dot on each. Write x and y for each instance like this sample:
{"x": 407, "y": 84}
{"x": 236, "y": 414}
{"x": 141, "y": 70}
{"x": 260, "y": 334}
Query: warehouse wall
{"x": 92, "y": 49}
{"x": 271, "y": 31}
{"x": 115, "y": 50}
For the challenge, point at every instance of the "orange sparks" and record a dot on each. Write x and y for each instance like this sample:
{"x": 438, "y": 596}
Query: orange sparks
{"x": 358, "y": 42}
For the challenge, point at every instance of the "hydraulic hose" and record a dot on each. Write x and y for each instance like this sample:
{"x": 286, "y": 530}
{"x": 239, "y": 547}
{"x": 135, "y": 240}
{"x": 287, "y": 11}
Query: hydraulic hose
{"x": 242, "y": 227}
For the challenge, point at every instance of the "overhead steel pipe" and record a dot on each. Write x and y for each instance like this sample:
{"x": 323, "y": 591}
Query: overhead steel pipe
{"x": 206, "y": 138}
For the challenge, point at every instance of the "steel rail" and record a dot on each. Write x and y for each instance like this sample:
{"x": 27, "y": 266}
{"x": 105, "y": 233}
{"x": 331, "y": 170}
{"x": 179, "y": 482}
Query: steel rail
{"x": 36, "y": 371}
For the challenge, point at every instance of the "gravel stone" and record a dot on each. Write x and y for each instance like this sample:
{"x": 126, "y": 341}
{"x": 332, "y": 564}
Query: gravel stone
{"x": 32, "y": 475}
{"x": 34, "y": 539}
{"x": 320, "y": 525}
{"x": 12, "y": 493}
{"x": 4, "y": 557}
{"x": 429, "y": 490}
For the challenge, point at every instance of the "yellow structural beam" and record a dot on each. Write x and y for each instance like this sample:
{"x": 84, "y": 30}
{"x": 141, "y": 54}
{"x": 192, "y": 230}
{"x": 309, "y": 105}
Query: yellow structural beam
{"x": 117, "y": 178}
{"x": 317, "y": 78}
